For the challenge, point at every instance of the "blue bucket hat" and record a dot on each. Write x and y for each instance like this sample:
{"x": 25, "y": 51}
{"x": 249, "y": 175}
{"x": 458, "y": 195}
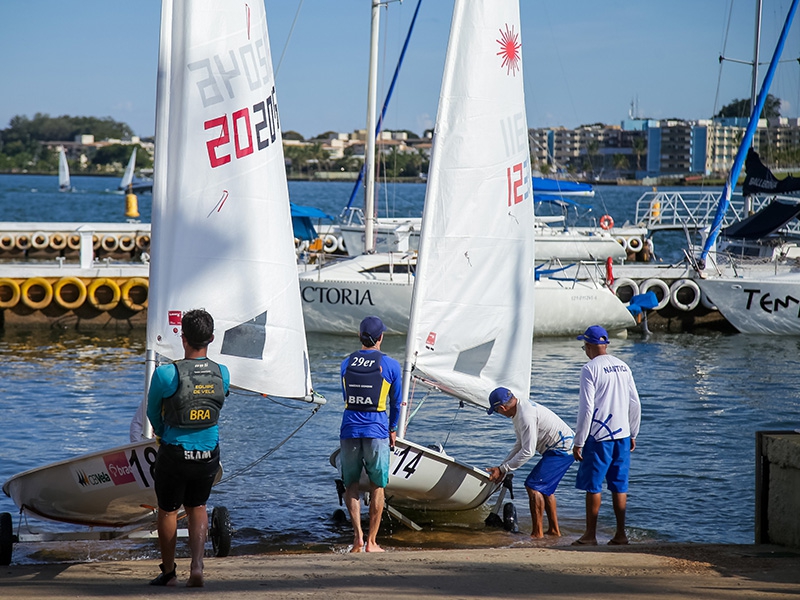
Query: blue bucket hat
{"x": 498, "y": 397}
{"x": 594, "y": 335}
{"x": 372, "y": 328}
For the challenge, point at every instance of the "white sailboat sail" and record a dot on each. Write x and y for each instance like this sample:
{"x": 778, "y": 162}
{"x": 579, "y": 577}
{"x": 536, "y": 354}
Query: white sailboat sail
{"x": 471, "y": 321}
{"x": 221, "y": 241}
{"x": 222, "y": 231}
{"x": 63, "y": 171}
{"x": 127, "y": 176}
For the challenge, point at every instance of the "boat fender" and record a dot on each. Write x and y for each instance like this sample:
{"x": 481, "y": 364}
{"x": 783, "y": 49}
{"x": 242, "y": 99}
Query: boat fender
{"x": 606, "y": 222}
{"x": 660, "y": 288}
{"x": 109, "y": 243}
{"x": 101, "y": 282}
{"x": 7, "y": 242}
{"x": 331, "y": 243}
{"x": 74, "y": 241}
{"x": 22, "y": 241}
{"x": 40, "y": 240}
{"x": 10, "y": 298}
{"x": 680, "y": 289}
{"x": 620, "y": 239}
{"x": 125, "y": 291}
{"x": 95, "y": 242}
{"x": 706, "y": 301}
{"x": 341, "y": 245}
{"x": 609, "y": 271}
{"x": 143, "y": 241}
{"x": 625, "y": 284}
{"x": 127, "y": 243}
{"x": 34, "y": 283}
{"x": 131, "y": 206}
{"x": 635, "y": 244}
{"x": 58, "y": 241}
{"x": 58, "y": 292}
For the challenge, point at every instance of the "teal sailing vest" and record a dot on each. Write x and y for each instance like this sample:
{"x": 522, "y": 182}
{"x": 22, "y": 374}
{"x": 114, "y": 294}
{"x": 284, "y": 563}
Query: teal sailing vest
{"x": 200, "y": 395}
{"x": 365, "y": 388}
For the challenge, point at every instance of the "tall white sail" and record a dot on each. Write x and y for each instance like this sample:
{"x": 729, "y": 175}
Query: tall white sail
{"x": 63, "y": 171}
{"x": 222, "y": 232}
{"x": 472, "y": 311}
{"x": 127, "y": 176}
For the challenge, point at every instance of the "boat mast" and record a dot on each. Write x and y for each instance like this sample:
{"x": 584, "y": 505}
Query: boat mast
{"x": 369, "y": 157}
{"x": 748, "y": 201}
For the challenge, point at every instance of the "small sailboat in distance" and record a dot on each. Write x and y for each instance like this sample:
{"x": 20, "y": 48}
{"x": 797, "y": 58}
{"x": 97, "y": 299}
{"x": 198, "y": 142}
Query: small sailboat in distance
{"x": 63, "y": 171}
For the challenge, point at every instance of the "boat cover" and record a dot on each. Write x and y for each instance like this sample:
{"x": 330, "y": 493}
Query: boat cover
{"x": 760, "y": 180}
{"x": 768, "y": 220}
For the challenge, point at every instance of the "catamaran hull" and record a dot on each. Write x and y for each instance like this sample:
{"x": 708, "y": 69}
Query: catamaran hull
{"x": 562, "y": 308}
{"x": 423, "y": 478}
{"x": 768, "y": 305}
{"x": 111, "y": 488}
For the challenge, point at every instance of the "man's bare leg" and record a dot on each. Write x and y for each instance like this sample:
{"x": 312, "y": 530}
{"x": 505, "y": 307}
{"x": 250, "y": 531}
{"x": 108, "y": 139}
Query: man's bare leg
{"x": 167, "y": 539}
{"x": 620, "y": 502}
{"x": 353, "y": 503}
{"x": 536, "y": 500}
{"x": 198, "y": 532}
{"x": 551, "y": 509}
{"x": 592, "y": 510}
{"x": 376, "y": 502}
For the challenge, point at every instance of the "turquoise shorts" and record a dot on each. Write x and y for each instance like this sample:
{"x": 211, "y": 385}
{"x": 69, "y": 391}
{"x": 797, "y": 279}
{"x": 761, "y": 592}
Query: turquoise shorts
{"x": 609, "y": 460}
{"x": 370, "y": 454}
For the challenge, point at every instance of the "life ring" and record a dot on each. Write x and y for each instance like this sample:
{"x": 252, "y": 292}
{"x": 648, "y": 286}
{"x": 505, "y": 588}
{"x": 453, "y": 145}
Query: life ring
{"x": 58, "y": 241}
{"x": 706, "y": 301}
{"x": 609, "y": 271}
{"x": 74, "y": 241}
{"x": 58, "y": 290}
{"x": 116, "y": 294}
{"x": 7, "y": 242}
{"x": 677, "y": 293}
{"x": 125, "y": 291}
{"x": 330, "y": 243}
{"x": 12, "y": 298}
{"x": 35, "y": 282}
{"x": 655, "y": 285}
{"x": 634, "y": 244}
{"x": 127, "y": 243}
{"x": 143, "y": 242}
{"x": 109, "y": 243}
{"x": 606, "y": 222}
{"x": 22, "y": 241}
{"x": 40, "y": 240}
{"x": 624, "y": 283}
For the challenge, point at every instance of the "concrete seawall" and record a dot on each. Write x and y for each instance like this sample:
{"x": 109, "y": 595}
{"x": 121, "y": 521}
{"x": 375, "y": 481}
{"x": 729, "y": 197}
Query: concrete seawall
{"x": 778, "y": 488}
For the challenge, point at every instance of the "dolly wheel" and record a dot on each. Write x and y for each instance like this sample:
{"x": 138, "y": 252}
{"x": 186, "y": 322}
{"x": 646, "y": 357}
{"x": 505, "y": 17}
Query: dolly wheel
{"x": 510, "y": 518}
{"x": 7, "y": 538}
{"x": 221, "y": 531}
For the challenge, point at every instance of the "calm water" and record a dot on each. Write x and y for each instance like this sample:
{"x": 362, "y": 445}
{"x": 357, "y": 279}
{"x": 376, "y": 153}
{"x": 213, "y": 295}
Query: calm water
{"x": 703, "y": 396}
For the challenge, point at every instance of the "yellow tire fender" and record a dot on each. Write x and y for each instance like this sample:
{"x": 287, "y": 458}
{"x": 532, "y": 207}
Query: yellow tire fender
{"x": 34, "y": 282}
{"x": 69, "y": 304}
{"x": 125, "y": 291}
{"x": 112, "y": 285}
{"x": 14, "y": 296}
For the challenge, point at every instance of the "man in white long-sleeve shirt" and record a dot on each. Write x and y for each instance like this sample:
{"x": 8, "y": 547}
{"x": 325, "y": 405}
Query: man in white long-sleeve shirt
{"x": 608, "y": 423}
{"x": 537, "y": 429}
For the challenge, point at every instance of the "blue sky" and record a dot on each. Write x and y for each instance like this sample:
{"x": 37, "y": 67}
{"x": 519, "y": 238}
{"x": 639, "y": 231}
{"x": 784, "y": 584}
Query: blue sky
{"x": 584, "y": 60}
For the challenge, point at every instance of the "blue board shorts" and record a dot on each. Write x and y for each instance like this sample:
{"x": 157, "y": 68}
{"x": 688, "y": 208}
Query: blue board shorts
{"x": 609, "y": 460}
{"x": 549, "y": 471}
{"x": 370, "y": 454}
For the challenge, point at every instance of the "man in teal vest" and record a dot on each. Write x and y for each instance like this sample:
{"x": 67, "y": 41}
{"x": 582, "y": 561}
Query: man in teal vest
{"x": 183, "y": 405}
{"x": 371, "y": 384}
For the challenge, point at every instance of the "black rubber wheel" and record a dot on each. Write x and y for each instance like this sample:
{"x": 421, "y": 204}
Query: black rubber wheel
{"x": 221, "y": 531}
{"x": 340, "y": 517}
{"x": 6, "y": 538}
{"x": 493, "y": 520}
{"x": 510, "y": 518}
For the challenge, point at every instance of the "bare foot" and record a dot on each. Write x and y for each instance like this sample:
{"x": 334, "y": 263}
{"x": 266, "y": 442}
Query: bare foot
{"x": 554, "y": 532}
{"x": 195, "y": 580}
{"x": 615, "y": 541}
{"x": 585, "y": 542}
{"x": 358, "y": 546}
{"x": 374, "y": 547}
{"x": 537, "y": 535}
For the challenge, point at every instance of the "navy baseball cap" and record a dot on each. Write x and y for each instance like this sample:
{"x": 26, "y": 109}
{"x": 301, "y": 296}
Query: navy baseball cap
{"x": 371, "y": 327}
{"x": 594, "y": 335}
{"x": 498, "y": 396}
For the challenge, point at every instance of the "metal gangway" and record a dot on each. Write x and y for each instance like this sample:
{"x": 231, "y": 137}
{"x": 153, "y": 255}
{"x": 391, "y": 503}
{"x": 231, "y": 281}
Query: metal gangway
{"x": 676, "y": 210}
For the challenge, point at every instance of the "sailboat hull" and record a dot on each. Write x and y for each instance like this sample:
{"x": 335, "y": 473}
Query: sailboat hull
{"x": 424, "y": 478}
{"x": 110, "y": 488}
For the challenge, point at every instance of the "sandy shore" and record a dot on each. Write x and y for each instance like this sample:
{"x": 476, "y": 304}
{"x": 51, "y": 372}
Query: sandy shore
{"x": 653, "y": 571}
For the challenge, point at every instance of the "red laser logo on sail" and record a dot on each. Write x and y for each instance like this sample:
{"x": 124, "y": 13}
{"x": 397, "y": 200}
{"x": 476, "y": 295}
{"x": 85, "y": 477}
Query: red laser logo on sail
{"x": 510, "y": 50}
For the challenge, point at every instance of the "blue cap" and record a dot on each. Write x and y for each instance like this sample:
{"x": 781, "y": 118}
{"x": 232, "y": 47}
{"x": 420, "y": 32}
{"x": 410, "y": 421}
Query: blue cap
{"x": 372, "y": 328}
{"x": 594, "y": 335}
{"x": 499, "y": 396}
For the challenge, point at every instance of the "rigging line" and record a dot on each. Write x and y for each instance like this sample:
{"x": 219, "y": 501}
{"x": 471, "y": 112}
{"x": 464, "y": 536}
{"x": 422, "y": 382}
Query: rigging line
{"x": 722, "y": 57}
{"x": 460, "y": 406}
{"x": 289, "y": 37}
{"x": 271, "y": 451}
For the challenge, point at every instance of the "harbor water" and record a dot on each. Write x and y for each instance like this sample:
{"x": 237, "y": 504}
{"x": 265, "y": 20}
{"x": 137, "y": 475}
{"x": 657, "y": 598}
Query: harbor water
{"x": 704, "y": 396}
